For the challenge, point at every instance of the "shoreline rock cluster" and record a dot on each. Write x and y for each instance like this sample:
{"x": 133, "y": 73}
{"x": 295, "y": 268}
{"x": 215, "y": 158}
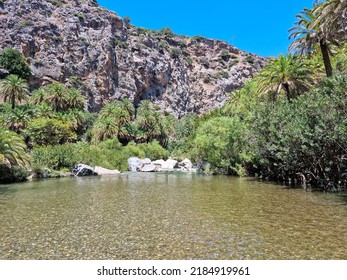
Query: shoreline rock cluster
{"x": 146, "y": 165}
{"x": 135, "y": 164}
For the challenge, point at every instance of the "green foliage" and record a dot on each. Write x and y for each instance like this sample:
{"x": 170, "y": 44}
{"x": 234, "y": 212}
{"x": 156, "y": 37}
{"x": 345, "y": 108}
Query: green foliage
{"x": 60, "y": 96}
{"x": 12, "y": 149}
{"x": 250, "y": 59}
{"x": 154, "y": 150}
{"x": 121, "y": 44}
{"x": 286, "y": 74}
{"x": 14, "y": 88}
{"x": 225, "y": 55}
{"x": 126, "y": 20}
{"x": 223, "y": 74}
{"x": 46, "y": 131}
{"x": 109, "y": 154}
{"x": 306, "y": 138}
{"x": 189, "y": 60}
{"x": 166, "y": 31}
{"x": 175, "y": 52}
{"x": 220, "y": 142}
{"x": 15, "y": 63}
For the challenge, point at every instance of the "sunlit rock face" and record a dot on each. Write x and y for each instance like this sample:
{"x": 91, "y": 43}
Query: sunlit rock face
{"x": 90, "y": 47}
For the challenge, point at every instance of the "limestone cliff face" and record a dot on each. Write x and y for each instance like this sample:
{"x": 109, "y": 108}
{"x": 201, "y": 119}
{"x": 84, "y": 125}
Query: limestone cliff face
{"x": 78, "y": 42}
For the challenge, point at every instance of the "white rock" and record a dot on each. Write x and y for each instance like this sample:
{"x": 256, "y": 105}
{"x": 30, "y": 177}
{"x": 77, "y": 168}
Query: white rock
{"x": 134, "y": 163}
{"x": 186, "y": 164}
{"x": 148, "y": 168}
{"x": 170, "y": 164}
{"x": 104, "y": 171}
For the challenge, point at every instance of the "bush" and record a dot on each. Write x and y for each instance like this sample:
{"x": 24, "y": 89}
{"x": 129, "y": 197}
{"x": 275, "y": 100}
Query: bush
{"x": 15, "y": 63}
{"x": 305, "y": 139}
{"x": 154, "y": 150}
{"x": 220, "y": 141}
{"x": 166, "y": 31}
{"x": 46, "y": 131}
{"x": 175, "y": 52}
{"x": 250, "y": 59}
{"x": 225, "y": 54}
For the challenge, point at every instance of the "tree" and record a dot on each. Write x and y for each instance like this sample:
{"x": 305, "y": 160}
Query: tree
{"x": 307, "y": 34}
{"x": 220, "y": 141}
{"x": 332, "y": 14}
{"x": 56, "y": 94}
{"x": 14, "y": 88}
{"x": 12, "y": 149}
{"x": 14, "y": 62}
{"x": 105, "y": 128}
{"x": 287, "y": 74}
{"x": 74, "y": 99}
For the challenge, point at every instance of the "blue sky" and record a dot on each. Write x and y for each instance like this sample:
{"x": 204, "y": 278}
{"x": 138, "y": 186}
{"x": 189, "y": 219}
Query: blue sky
{"x": 260, "y": 27}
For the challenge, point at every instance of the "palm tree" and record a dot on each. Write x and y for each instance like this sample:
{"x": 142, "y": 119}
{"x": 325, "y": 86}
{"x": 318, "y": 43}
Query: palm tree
{"x": 56, "y": 94}
{"x": 307, "y": 34}
{"x": 127, "y": 106}
{"x": 37, "y": 97}
{"x": 12, "y": 149}
{"x": 286, "y": 73}
{"x": 18, "y": 119}
{"x": 14, "y": 88}
{"x": 332, "y": 14}
{"x": 75, "y": 99}
{"x": 105, "y": 128}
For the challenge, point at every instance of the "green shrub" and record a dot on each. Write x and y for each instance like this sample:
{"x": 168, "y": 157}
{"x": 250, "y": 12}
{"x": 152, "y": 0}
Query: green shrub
{"x": 154, "y": 150}
{"x": 46, "y": 131}
{"x": 15, "y": 63}
{"x": 166, "y": 31}
{"x": 223, "y": 74}
{"x": 221, "y": 142}
{"x": 305, "y": 139}
{"x": 175, "y": 52}
{"x": 225, "y": 55}
{"x": 250, "y": 59}
{"x": 189, "y": 60}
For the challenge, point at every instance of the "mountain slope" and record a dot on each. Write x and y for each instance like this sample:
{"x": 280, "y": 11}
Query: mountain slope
{"x": 80, "y": 43}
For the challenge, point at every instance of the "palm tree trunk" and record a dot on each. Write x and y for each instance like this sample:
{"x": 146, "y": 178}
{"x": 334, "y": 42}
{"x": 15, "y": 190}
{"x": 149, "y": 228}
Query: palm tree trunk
{"x": 13, "y": 101}
{"x": 286, "y": 88}
{"x": 325, "y": 53}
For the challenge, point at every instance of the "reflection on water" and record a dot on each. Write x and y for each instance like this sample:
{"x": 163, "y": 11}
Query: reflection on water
{"x": 169, "y": 216}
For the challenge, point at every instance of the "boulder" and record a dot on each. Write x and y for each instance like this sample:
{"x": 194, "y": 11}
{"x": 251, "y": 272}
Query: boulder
{"x": 148, "y": 168}
{"x": 104, "y": 171}
{"x": 83, "y": 170}
{"x": 42, "y": 173}
{"x": 186, "y": 165}
{"x": 134, "y": 163}
{"x": 146, "y": 161}
{"x": 158, "y": 164}
{"x": 170, "y": 164}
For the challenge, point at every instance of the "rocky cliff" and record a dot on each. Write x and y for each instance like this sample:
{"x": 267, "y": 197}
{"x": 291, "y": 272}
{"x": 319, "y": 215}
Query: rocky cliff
{"x": 78, "y": 42}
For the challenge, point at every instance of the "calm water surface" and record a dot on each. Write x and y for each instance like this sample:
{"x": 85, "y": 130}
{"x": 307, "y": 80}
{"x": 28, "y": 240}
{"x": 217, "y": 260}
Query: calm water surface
{"x": 169, "y": 216}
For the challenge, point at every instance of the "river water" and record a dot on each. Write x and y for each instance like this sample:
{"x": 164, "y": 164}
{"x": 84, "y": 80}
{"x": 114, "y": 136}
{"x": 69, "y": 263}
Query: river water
{"x": 169, "y": 216}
